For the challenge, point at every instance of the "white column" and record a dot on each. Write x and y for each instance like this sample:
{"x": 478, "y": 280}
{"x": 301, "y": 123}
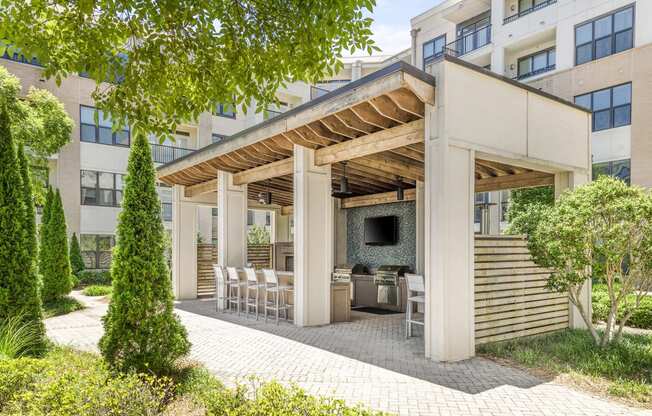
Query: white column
{"x": 231, "y": 221}
{"x": 184, "y": 246}
{"x": 498, "y": 61}
{"x": 313, "y": 239}
{"x": 494, "y": 213}
{"x": 449, "y": 267}
{"x": 563, "y": 181}
{"x": 420, "y": 212}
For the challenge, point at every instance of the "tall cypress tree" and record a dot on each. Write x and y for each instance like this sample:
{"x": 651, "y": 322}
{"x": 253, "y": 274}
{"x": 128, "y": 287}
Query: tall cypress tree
{"x": 57, "y": 281}
{"x": 76, "y": 259}
{"x": 141, "y": 331}
{"x": 30, "y": 211}
{"x": 19, "y": 295}
{"x": 43, "y": 231}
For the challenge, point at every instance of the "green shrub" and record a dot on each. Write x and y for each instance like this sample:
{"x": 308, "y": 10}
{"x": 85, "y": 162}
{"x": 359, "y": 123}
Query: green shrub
{"x": 92, "y": 277}
{"x": 76, "y": 260}
{"x": 97, "y": 290}
{"x": 55, "y": 261}
{"x": 641, "y": 317}
{"x": 141, "y": 331}
{"x": 19, "y": 295}
{"x": 68, "y": 382}
{"x": 18, "y": 337}
{"x": 61, "y": 306}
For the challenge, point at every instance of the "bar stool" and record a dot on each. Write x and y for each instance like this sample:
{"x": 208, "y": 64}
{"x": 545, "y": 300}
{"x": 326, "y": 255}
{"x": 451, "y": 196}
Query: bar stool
{"x": 278, "y": 292}
{"x": 221, "y": 293}
{"x": 232, "y": 283}
{"x": 252, "y": 284}
{"x": 415, "y": 283}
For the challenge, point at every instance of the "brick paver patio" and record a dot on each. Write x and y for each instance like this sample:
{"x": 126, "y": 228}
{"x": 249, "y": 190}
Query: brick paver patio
{"x": 367, "y": 361}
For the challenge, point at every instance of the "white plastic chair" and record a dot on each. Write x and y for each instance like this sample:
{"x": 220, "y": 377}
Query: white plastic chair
{"x": 278, "y": 292}
{"x": 221, "y": 293}
{"x": 234, "y": 283}
{"x": 252, "y": 284}
{"x": 415, "y": 284}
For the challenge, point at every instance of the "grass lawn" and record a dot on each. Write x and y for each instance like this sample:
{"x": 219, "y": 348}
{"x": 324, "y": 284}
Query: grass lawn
{"x": 98, "y": 290}
{"x": 69, "y": 382}
{"x": 61, "y": 307}
{"x": 623, "y": 370}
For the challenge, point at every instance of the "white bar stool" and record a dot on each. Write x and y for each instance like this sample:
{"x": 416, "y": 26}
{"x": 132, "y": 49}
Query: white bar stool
{"x": 415, "y": 284}
{"x": 234, "y": 283}
{"x": 221, "y": 293}
{"x": 252, "y": 284}
{"x": 278, "y": 292}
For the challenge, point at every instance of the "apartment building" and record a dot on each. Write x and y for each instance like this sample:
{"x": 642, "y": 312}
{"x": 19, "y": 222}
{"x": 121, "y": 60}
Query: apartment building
{"x": 597, "y": 53}
{"x": 89, "y": 170}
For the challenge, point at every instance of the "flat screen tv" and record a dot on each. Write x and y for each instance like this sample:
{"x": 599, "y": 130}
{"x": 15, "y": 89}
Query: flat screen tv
{"x": 381, "y": 231}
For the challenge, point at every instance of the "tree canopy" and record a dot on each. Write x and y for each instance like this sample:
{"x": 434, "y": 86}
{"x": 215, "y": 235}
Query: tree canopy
{"x": 167, "y": 62}
{"x": 38, "y": 121}
{"x": 600, "y": 231}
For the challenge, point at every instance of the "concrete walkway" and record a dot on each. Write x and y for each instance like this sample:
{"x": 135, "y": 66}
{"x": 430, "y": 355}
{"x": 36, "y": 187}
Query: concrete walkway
{"x": 365, "y": 361}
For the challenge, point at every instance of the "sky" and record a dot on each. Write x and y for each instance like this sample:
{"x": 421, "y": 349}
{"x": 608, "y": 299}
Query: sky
{"x": 391, "y": 25}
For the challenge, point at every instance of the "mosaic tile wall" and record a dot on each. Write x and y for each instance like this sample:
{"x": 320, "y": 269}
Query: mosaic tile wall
{"x": 403, "y": 253}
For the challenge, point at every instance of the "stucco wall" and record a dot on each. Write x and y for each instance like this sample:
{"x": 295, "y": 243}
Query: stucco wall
{"x": 403, "y": 253}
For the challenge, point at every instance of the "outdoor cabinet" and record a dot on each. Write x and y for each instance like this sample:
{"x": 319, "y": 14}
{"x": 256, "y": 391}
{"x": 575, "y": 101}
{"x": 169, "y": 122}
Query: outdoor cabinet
{"x": 340, "y": 302}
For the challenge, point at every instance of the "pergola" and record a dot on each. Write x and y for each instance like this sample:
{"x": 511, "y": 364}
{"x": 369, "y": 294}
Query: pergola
{"x": 444, "y": 136}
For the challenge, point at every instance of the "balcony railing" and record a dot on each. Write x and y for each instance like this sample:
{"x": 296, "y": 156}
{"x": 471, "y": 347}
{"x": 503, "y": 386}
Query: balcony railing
{"x": 165, "y": 154}
{"x": 535, "y": 72}
{"x": 528, "y": 11}
{"x": 316, "y": 92}
{"x": 267, "y": 114}
{"x": 469, "y": 42}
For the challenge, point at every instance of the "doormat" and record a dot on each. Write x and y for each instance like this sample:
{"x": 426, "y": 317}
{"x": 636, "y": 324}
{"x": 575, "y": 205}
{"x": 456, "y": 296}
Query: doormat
{"x": 375, "y": 311}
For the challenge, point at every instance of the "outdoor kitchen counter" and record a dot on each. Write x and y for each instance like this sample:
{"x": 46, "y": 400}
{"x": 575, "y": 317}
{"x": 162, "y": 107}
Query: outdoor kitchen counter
{"x": 340, "y": 294}
{"x": 365, "y": 292}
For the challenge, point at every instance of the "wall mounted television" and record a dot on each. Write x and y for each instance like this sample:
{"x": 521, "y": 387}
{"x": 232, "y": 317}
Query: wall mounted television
{"x": 381, "y": 231}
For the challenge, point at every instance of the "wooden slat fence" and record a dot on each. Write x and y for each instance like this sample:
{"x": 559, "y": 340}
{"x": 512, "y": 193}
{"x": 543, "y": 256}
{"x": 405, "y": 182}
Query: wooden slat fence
{"x": 206, "y": 257}
{"x": 260, "y": 255}
{"x": 511, "y": 299}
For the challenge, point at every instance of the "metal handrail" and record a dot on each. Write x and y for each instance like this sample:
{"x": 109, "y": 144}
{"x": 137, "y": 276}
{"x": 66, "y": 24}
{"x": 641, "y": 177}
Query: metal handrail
{"x": 528, "y": 11}
{"x": 316, "y": 92}
{"x": 535, "y": 72}
{"x": 165, "y": 154}
{"x": 469, "y": 42}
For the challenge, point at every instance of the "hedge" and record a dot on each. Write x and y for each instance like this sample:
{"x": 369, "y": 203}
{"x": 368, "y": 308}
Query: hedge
{"x": 69, "y": 382}
{"x": 641, "y": 318}
{"x": 90, "y": 277}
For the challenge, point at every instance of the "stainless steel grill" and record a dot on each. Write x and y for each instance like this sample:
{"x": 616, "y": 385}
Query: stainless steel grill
{"x": 389, "y": 275}
{"x": 343, "y": 272}
{"x": 386, "y": 279}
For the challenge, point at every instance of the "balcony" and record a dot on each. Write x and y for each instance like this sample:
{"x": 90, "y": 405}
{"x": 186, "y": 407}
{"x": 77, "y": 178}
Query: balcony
{"x": 166, "y": 154}
{"x": 529, "y": 10}
{"x": 470, "y": 42}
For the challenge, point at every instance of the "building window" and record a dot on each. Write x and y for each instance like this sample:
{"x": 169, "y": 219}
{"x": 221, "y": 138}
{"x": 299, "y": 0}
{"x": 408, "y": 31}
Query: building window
{"x": 620, "y": 169}
{"x": 101, "y": 188}
{"x": 19, "y": 57}
{"x": 216, "y": 138}
{"x": 166, "y": 211}
{"x": 481, "y": 198}
{"x": 225, "y": 110}
{"x": 98, "y": 128}
{"x": 433, "y": 49}
{"x": 537, "y": 63}
{"x": 96, "y": 250}
{"x": 604, "y": 36}
{"x": 611, "y": 107}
